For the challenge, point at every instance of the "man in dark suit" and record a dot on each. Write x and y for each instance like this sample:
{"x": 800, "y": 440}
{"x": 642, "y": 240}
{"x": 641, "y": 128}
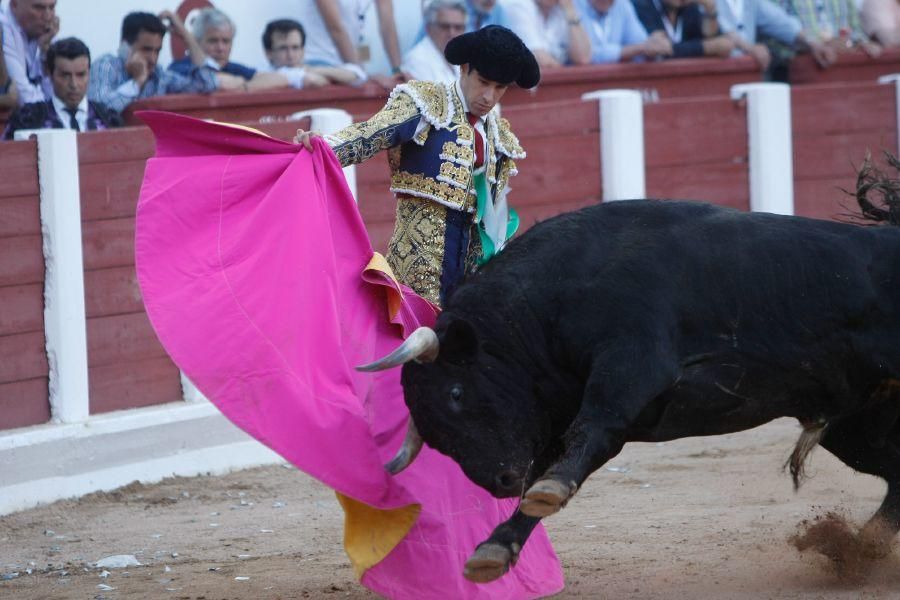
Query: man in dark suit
{"x": 690, "y": 25}
{"x": 69, "y": 66}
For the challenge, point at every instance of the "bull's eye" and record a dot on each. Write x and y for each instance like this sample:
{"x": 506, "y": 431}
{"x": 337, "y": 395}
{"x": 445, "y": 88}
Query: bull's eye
{"x": 456, "y": 394}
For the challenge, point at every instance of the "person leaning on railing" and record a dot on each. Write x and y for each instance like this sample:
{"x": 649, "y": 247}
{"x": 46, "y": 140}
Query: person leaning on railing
{"x": 8, "y": 93}
{"x": 881, "y": 21}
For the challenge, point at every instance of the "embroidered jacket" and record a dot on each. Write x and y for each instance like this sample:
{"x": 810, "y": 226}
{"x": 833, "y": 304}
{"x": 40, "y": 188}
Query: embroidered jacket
{"x": 42, "y": 115}
{"x": 431, "y": 145}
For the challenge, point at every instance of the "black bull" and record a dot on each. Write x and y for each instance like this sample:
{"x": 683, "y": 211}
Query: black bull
{"x": 650, "y": 321}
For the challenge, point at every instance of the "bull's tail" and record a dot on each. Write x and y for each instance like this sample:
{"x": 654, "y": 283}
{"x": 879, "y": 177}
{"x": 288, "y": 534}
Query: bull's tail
{"x": 877, "y": 194}
{"x": 809, "y": 439}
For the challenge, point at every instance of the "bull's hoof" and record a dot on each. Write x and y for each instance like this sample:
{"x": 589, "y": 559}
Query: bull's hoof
{"x": 546, "y": 497}
{"x": 489, "y": 562}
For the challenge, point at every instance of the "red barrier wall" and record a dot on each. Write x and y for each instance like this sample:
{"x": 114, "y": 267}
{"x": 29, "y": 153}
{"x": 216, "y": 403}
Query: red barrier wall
{"x": 24, "y": 395}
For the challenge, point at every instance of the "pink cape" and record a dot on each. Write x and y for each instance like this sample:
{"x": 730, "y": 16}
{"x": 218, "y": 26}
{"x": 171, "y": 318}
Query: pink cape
{"x": 252, "y": 260}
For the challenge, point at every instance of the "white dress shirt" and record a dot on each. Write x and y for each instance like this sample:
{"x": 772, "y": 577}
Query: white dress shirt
{"x": 80, "y": 116}
{"x": 426, "y": 63}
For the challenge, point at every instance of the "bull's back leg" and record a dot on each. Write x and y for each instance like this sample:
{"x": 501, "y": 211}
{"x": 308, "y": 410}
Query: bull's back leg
{"x": 619, "y": 388}
{"x": 851, "y": 441}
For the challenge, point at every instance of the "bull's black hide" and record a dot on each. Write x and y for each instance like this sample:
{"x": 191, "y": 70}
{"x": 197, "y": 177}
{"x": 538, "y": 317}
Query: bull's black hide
{"x": 655, "y": 320}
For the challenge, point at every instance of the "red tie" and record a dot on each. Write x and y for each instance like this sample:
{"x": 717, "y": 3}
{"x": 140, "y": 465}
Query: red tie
{"x": 479, "y": 141}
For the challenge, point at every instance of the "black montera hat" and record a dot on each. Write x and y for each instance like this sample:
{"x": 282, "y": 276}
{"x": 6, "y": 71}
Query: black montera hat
{"x": 497, "y": 53}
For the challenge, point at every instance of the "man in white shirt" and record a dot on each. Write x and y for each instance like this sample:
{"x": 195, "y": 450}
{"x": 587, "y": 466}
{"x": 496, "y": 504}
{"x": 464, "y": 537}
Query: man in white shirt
{"x": 444, "y": 20}
{"x": 28, "y": 28}
{"x": 551, "y": 29}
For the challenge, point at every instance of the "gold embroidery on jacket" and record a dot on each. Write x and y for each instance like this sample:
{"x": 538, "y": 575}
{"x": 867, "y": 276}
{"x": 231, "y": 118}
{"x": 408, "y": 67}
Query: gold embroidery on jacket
{"x": 416, "y": 249}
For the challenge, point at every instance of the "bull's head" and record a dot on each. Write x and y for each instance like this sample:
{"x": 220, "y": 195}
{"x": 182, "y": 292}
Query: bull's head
{"x": 471, "y": 400}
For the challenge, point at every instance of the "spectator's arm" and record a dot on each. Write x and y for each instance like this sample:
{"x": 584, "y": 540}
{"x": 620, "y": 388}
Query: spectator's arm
{"x": 200, "y": 81}
{"x": 331, "y": 15}
{"x": 879, "y": 29}
{"x": 109, "y": 87}
{"x": 387, "y": 26}
{"x": 773, "y": 21}
{"x": 709, "y": 17}
{"x": 348, "y": 74}
{"x": 176, "y": 26}
{"x": 267, "y": 81}
{"x": 10, "y": 96}
{"x": 17, "y": 70}
{"x": 579, "y": 42}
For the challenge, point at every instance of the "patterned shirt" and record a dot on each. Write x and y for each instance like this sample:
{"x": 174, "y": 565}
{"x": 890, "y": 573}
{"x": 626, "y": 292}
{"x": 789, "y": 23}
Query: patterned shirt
{"x": 114, "y": 87}
{"x": 827, "y": 19}
{"x": 23, "y": 60}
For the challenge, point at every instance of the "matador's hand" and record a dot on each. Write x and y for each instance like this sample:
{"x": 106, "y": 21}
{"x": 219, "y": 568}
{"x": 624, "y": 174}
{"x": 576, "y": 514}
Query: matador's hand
{"x": 305, "y": 138}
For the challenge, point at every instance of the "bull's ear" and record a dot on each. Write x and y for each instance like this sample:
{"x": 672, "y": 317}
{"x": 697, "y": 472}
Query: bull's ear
{"x": 459, "y": 342}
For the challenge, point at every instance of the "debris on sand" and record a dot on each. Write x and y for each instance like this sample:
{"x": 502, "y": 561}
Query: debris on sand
{"x": 833, "y": 537}
{"x": 119, "y": 561}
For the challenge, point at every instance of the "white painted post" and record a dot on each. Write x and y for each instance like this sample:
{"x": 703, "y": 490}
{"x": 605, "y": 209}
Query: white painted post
{"x": 329, "y": 120}
{"x": 895, "y": 79}
{"x": 65, "y": 325}
{"x": 771, "y": 148}
{"x": 621, "y": 143}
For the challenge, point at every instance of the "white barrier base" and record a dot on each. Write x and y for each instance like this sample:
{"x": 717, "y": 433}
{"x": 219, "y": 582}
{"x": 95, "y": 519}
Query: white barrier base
{"x": 43, "y": 464}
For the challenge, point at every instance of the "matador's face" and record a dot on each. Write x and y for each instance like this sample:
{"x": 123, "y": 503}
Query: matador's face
{"x": 481, "y": 94}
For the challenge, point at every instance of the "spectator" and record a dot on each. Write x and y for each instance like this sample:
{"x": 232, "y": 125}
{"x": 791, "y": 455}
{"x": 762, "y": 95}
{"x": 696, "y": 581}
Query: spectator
{"x": 486, "y": 12}
{"x": 28, "y": 27}
{"x": 9, "y": 96}
{"x": 881, "y": 20}
{"x": 744, "y": 20}
{"x": 444, "y": 20}
{"x": 616, "y": 33}
{"x": 284, "y": 41}
{"x": 214, "y": 31}
{"x": 69, "y": 65}
{"x": 336, "y": 35}
{"x": 691, "y": 25}
{"x": 551, "y": 29}
{"x": 117, "y": 81}
{"x": 835, "y": 23}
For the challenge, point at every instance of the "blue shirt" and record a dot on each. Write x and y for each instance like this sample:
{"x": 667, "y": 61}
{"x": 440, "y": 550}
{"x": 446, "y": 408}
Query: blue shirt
{"x": 758, "y": 16}
{"x": 113, "y": 86}
{"x": 611, "y": 31}
{"x": 495, "y": 17}
{"x": 185, "y": 66}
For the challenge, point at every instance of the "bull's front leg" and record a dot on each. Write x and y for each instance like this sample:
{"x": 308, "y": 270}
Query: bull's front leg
{"x": 495, "y": 556}
{"x": 610, "y": 406}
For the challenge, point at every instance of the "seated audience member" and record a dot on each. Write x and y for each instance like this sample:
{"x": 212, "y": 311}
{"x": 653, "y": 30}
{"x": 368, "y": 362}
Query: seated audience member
{"x": 835, "y": 23}
{"x": 8, "y": 95}
{"x": 616, "y": 33}
{"x": 214, "y": 31}
{"x": 881, "y": 21}
{"x": 336, "y": 35}
{"x": 552, "y": 30}
{"x": 691, "y": 25}
{"x": 69, "y": 65}
{"x": 117, "y": 81}
{"x": 284, "y": 40}
{"x": 486, "y": 12}
{"x": 28, "y": 28}
{"x": 743, "y": 21}
{"x": 444, "y": 20}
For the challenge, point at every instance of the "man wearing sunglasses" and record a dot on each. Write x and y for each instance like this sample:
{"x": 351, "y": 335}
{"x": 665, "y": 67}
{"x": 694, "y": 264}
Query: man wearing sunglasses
{"x": 444, "y": 20}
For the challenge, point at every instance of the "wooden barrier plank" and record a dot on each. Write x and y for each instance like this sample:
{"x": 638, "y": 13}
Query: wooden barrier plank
{"x": 840, "y": 108}
{"x": 822, "y": 198}
{"x": 121, "y": 338}
{"x": 724, "y": 184}
{"x": 19, "y": 163}
{"x": 23, "y": 356}
{"x": 21, "y": 260}
{"x": 110, "y": 190}
{"x": 24, "y": 403}
{"x": 133, "y": 384}
{"x": 566, "y": 169}
{"x": 827, "y": 156}
{"x": 116, "y": 145}
{"x": 21, "y": 309}
{"x": 112, "y": 291}
{"x": 21, "y": 216}
{"x": 695, "y": 131}
{"x": 856, "y": 67}
{"x": 108, "y": 243}
{"x": 549, "y": 119}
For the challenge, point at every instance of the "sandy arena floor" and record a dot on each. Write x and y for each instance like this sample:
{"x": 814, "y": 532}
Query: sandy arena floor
{"x": 697, "y": 518}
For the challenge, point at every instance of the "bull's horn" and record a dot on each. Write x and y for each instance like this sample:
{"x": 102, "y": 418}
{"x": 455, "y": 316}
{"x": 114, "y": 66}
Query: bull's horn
{"x": 407, "y": 452}
{"x": 422, "y": 346}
